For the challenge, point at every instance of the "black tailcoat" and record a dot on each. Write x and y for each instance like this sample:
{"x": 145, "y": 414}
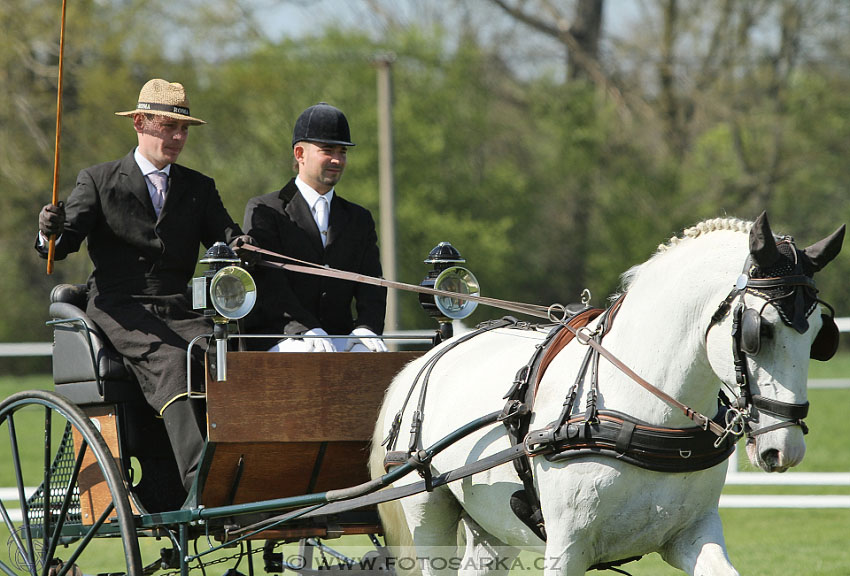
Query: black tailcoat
{"x": 138, "y": 289}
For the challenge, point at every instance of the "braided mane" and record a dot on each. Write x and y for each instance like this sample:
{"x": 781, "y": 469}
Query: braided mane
{"x": 700, "y": 229}
{"x": 705, "y": 227}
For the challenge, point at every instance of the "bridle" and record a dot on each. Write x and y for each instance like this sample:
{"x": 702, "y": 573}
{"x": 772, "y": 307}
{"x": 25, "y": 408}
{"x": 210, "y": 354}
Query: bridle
{"x": 748, "y": 330}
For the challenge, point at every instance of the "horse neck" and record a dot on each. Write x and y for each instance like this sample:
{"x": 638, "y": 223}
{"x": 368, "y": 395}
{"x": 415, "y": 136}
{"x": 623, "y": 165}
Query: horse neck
{"x": 659, "y": 332}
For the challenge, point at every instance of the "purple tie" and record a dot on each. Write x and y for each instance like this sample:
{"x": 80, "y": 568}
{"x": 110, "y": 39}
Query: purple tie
{"x": 158, "y": 179}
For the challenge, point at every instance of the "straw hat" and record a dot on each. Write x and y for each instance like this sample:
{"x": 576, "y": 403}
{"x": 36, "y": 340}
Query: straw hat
{"x": 165, "y": 99}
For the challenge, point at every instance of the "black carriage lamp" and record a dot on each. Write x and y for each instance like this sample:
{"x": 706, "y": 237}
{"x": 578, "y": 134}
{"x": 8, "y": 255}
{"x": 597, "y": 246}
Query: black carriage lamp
{"x": 225, "y": 292}
{"x": 448, "y": 276}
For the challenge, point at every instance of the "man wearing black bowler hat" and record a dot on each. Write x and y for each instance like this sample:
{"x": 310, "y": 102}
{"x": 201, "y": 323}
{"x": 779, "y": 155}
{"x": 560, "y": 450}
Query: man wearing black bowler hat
{"x": 308, "y": 220}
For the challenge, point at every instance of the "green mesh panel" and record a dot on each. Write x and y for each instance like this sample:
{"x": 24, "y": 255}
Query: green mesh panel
{"x": 60, "y": 474}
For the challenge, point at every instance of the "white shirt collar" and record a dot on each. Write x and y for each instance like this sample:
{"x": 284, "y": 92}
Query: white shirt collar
{"x": 310, "y": 195}
{"x": 146, "y": 166}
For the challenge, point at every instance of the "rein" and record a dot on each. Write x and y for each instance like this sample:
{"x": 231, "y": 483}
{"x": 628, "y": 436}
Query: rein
{"x": 583, "y": 335}
{"x": 314, "y": 269}
{"x": 586, "y": 337}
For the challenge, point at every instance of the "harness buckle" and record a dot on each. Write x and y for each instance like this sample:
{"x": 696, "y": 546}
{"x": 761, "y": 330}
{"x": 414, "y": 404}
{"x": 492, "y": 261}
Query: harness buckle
{"x": 734, "y": 425}
{"x": 421, "y": 462}
{"x": 584, "y": 335}
{"x": 513, "y": 408}
{"x": 539, "y": 441}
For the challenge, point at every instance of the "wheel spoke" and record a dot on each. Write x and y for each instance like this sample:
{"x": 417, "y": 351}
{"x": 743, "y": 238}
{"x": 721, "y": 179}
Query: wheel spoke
{"x": 7, "y": 570}
{"x": 86, "y": 539}
{"x": 25, "y": 521}
{"x": 12, "y": 530}
{"x": 66, "y": 503}
{"x": 48, "y": 461}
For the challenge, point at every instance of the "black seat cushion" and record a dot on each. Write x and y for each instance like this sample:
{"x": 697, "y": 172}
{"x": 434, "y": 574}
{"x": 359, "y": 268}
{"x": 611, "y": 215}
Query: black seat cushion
{"x": 86, "y": 368}
{"x": 75, "y": 294}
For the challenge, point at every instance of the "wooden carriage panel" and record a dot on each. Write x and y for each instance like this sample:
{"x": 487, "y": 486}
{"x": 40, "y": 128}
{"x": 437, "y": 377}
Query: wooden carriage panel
{"x": 300, "y": 397}
{"x": 94, "y": 491}
{"x": 299, "y": 423}
{"x": 279, "y": 470}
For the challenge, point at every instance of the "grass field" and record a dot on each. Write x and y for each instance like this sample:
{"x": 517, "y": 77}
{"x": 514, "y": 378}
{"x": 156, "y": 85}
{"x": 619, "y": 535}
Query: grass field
{"x": 761, "y": 542}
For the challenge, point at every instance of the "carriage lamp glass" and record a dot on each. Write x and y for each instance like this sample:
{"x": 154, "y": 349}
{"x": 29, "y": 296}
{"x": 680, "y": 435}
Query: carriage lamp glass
{"x": 460, "y": 281}
{"x": 233, "y": 292}
{"x": 448, "y": 276}
{"x": 226, "y": 290}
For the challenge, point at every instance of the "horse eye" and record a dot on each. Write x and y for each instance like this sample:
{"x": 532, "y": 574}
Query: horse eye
{"x": 766, "y": 330}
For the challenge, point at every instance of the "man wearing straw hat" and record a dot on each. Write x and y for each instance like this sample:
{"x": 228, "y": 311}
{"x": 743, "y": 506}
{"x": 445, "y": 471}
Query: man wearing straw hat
{"x": 145, "y": 218}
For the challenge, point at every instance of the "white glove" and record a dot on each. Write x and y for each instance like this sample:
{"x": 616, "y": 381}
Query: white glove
{"x": 318, "y": 344}
{"x": 367, "y": 338}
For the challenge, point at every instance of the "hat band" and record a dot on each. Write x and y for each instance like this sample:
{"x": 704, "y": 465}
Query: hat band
{"x": 182, "y": 110}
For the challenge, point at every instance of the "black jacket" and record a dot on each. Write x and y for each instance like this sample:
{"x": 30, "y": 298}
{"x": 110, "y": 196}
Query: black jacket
{"x": 291, "y": 302}
{"x": 138, "y": 289}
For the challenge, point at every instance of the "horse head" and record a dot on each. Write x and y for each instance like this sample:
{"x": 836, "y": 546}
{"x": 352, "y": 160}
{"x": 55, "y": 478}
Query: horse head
{"x": 774, "y": 333}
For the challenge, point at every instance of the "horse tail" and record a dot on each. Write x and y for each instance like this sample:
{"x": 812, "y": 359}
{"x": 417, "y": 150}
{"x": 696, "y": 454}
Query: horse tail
{"x": 397, "y": 534}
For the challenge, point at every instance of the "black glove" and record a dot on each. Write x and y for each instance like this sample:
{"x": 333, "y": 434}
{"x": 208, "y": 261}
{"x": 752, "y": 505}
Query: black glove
{"x": 51, "y": 219}
{"x": 249, "y": 257}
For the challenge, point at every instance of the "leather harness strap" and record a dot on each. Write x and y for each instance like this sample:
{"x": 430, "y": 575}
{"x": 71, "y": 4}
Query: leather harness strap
{"x": 700, "y": 419}
{"x": 561, "y": 339}
{"x": 526, "y": 503}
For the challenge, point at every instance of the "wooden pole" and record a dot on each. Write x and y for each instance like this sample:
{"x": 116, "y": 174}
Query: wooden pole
{"x": 51, "y": 248}
{"x": 386, "y": 184}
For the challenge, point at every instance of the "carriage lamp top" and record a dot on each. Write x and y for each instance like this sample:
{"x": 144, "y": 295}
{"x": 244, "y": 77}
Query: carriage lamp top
{"x": 226, "y": 291}
{"x": 448, "y": 276}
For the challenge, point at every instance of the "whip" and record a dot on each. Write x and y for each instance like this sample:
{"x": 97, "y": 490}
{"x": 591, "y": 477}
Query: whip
{"x": 51, "y": 247}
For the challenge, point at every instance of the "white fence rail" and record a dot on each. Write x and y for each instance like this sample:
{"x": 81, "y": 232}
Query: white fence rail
{"x": 20, "y": 349}
{"x": 733, "y": 477}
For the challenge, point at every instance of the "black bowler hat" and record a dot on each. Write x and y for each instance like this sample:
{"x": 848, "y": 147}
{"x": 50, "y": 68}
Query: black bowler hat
{"x": 322, "y": 123}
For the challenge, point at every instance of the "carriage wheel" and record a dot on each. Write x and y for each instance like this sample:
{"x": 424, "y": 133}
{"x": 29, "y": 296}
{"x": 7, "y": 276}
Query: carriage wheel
{"x": 46, "y": 443}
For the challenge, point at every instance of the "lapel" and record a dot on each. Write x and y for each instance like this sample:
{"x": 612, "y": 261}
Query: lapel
{"x": 176, "y": 192}
{"x": 338, "y": 219}
{"x": 133, "y": 183}
{"x": 299, "y": 213}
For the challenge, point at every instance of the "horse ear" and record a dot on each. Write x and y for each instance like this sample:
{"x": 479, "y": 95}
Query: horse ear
{"x": 822, "y": 253}
{"x": 762, "y": 243}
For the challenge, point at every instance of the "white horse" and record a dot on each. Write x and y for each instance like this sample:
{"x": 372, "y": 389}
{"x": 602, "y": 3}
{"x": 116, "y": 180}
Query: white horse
{"x": 674, "y": 332}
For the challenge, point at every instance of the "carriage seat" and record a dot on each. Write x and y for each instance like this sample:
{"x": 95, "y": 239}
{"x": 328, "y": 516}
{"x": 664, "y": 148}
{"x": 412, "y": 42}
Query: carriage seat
{"x": 86, "y": 369}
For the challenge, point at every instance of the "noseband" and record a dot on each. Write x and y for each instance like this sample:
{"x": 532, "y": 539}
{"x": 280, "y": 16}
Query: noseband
{"x": 748, "y": 330}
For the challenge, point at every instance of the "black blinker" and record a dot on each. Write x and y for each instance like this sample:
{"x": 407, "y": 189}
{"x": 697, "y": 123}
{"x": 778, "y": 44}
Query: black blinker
{"x": 751, "y": 330}
{"x": 826, "y": 342}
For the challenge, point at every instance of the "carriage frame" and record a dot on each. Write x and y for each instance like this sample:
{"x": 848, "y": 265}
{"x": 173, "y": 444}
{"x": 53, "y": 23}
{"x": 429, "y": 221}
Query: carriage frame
{"x": 285, "y": 431}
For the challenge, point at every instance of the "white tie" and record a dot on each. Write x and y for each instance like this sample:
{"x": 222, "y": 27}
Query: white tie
{"x": 158, "y": 179}
{"x": 322, "y": 218}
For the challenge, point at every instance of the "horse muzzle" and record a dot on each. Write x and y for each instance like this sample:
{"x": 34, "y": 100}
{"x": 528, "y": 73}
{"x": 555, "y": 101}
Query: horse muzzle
{"x": 772, "y": 458}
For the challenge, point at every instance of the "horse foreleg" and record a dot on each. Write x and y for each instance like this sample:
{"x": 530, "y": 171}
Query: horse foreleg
{"x": 433, "y": 519}
{"x": 484, "y": 553}
{"x": 700, "y": 549}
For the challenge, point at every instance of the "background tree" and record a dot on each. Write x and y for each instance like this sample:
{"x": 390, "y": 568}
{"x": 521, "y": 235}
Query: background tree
{"x": 554, "y": 144}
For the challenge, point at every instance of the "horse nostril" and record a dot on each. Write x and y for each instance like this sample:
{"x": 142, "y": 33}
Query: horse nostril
{"x": 772, "y": 459}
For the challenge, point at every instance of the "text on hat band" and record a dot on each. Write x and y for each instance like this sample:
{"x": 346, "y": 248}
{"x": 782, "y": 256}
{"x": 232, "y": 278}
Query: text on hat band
{"x": 163, "y": 108}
